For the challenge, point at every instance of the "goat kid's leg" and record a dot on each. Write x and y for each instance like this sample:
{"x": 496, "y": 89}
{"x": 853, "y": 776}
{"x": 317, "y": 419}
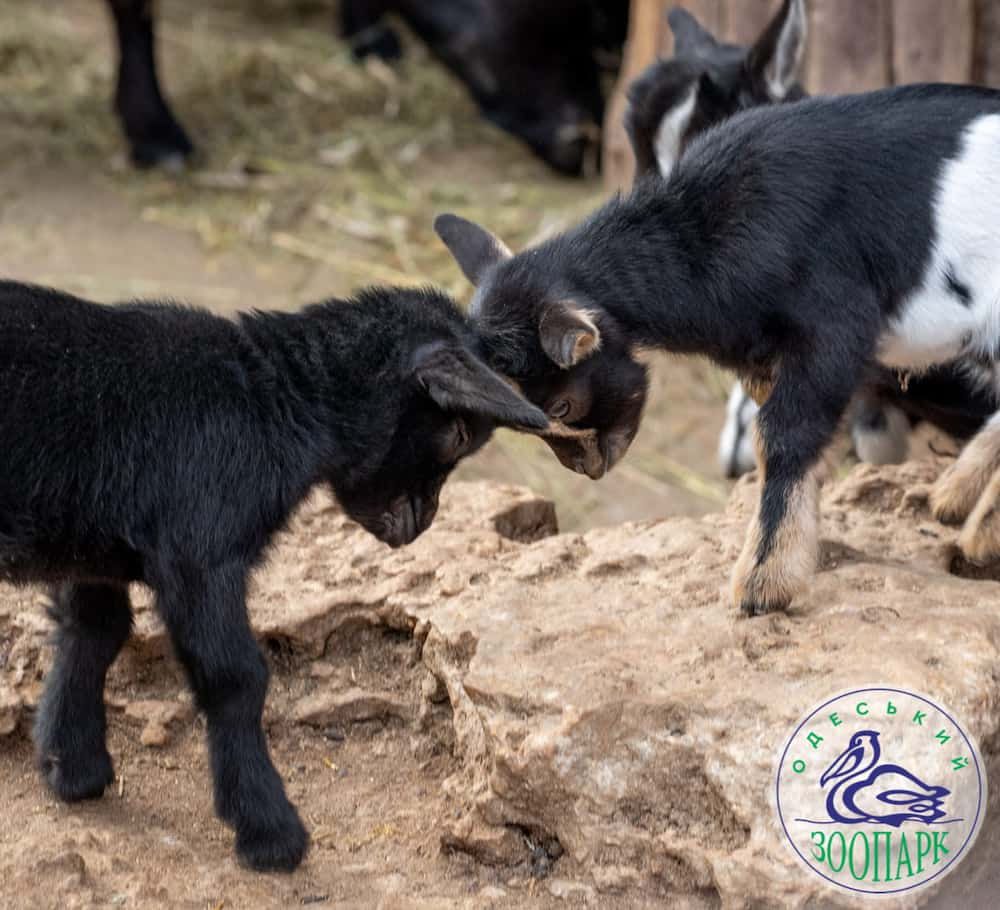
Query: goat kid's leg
{"x": 94, "y": 622}
{"x": 794, "y": 427}
{"x": 980, "y": 537}
{"x": 155, "y": 137}
{"x": 207, "y": 619}
{"x": 962, "y": 485}
{"x": 780, "y": 549}
{"x": 736, "y": 441}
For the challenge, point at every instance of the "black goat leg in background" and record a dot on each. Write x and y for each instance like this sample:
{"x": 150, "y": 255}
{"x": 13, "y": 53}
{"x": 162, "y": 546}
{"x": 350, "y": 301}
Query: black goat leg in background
{"x": 362, "y": 23}
{"x": 155, "y": 138}
{"x": 94, "y": 622}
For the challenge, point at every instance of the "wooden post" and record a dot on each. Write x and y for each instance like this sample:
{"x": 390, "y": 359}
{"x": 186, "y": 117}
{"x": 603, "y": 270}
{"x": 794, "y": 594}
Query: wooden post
{"x": 986, "y": 70}
{"x": 849, "y": 46}
{"x": 744, "y": 20}
{"x": 932, "y": 41}
{"x": 649, "y": 37}
{"x": 854, "y": 46}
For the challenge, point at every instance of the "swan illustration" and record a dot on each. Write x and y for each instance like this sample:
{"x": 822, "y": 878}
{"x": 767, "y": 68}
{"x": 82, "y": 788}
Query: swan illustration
{"x": 883, "y": 794}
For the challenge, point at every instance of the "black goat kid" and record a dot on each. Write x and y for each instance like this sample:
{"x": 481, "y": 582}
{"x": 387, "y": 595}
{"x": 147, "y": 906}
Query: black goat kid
{"x": 156, "y": 443}
{"x": 799, "y": 245}
{"x": 708, "y": 81}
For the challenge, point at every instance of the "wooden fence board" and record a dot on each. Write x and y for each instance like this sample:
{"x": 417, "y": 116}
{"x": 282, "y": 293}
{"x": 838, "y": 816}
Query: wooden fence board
{"x": 932, "y": 41}
{"x": 849, "y": 46}
{"x": 853, "y": 46}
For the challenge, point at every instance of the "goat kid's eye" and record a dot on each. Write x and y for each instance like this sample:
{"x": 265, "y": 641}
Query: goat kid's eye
{"x": 560, "y": 410}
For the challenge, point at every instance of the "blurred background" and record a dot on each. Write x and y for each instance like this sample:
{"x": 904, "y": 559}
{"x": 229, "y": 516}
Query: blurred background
{"x": 318, "y": 172}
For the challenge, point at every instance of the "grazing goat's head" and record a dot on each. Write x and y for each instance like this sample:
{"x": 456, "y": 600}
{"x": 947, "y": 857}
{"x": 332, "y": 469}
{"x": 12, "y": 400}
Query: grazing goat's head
{"x": 571, "y": 360}
{"x": 707, "y": 81}
{"x": 436, "y": 403}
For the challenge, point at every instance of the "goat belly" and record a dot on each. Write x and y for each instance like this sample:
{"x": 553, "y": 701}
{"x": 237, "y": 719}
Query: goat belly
{"x": 956, "y": 309}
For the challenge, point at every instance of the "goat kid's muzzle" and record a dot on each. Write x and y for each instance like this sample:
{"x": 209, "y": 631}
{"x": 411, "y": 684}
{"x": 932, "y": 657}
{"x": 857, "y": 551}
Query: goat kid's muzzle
{"x": 586, "y": 451}
{"x": 406, "y": 519}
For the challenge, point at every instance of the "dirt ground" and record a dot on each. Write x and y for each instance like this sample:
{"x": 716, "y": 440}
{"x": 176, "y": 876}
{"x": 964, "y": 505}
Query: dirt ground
{"x": 317, "y": 176}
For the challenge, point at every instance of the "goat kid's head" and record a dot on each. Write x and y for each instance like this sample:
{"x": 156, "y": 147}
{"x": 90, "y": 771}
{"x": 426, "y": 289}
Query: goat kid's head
{"x": 449, "y": 403}
{"x": 707, "y": 81}
{"x": 569, "y": 358}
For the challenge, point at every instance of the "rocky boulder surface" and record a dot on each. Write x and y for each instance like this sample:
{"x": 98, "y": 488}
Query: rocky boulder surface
{"x": 615, "y": 725}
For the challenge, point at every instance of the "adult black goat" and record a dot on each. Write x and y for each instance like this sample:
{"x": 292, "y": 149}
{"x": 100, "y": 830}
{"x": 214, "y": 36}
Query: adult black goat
{"x": 162, "y": 444}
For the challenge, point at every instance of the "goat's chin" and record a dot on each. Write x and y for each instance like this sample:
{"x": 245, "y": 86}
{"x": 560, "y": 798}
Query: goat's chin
{"x": 401, "y": 523}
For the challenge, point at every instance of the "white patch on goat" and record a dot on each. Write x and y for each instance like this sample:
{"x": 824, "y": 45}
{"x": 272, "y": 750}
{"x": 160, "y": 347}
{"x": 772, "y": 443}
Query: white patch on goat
{"x": 670, "y": 134}
{"x": 736, "y": 447}
{"x": 933, "y": 325}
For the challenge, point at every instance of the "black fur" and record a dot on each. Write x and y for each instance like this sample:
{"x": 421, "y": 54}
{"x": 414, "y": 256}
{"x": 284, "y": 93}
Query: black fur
{"x": 533, "y": 68}
{"x": 780, "y": 246}
{"x": 958, "y": 288}
{"x": 159, "y": 443}
{"x": 728, "y": 79}
{"x": 725, "y": 78}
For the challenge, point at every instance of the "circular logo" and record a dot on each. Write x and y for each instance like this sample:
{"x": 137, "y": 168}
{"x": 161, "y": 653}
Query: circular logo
{"x": 880, "y": 790}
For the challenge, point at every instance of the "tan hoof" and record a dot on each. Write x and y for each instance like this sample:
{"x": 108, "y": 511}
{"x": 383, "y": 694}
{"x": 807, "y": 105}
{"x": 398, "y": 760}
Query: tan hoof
{"x": 980, "y": 537}
{"x": 956, "y": 493}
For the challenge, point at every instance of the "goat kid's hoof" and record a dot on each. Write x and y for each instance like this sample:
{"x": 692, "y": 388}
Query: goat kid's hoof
{"x": 73, "y": 780}
{"x": 278, "y": 848}
{"x": 756, "y": 594}
{"x": 166, "y": 148}
{"x": 953, "y": 497}
{"x": 980, "y": 538}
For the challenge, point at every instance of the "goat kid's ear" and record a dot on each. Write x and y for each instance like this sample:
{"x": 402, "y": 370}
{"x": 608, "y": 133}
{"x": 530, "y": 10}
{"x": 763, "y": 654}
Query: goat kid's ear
{"x": 475, "y": 249}
{"x": 568, "y": 334}
{"x": 458, "y": 381}
{"x": 691, "y": 38}
{"x": 776, "y": 57}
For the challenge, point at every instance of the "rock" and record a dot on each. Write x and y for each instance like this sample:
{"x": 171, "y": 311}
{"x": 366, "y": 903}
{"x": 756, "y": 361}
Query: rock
{"x": 607, "y": 697}
{"x": 160, "y": 718}
{"x": 489, "y": 844}
{"x": 11, "y": 705}
{"x": 68, "y": 868}
{"x": 328, "y": 575}
{"x": 571, "y": 891}
{"x": 615, "y": 725}
{"x": 324, "y": 708}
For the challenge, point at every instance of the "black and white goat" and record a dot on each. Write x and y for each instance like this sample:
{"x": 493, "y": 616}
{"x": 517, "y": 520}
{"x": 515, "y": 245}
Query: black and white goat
{"x": 161, "y": 444}
{"x": 707, "y": 81}
{"x": 801, "y": 245}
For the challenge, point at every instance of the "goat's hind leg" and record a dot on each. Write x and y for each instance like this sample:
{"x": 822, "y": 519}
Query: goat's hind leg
{"x": 94, "y": 622}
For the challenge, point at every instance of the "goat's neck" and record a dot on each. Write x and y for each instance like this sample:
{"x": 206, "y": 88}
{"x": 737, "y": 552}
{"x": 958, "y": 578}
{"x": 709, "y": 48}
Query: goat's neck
{"x": 649, "y": 266}
{"x": 315, "y": 369}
